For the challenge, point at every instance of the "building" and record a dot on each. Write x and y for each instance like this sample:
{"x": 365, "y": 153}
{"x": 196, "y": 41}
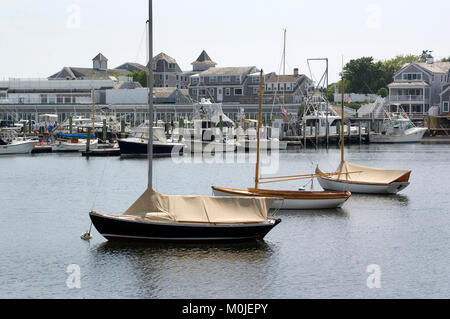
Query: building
{"x": 419, "y": 87}
{"x": 167, "y": 72}
{"x": 99, "y": 71}
{"x": 227, "y": 85}
{"x": 286, "y": 89}
{"x": 445, "y": 100}
{"x": 139, "y": 96}
{"x": 132, "y": 67}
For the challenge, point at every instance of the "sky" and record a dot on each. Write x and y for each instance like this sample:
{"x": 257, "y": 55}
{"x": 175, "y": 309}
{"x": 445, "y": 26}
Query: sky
{"x": 39, "y": 37}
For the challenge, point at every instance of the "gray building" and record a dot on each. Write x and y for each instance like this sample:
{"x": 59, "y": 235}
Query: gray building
{"x": 227, "y": 85}
{"x": 99, "y": 71}
{"x": 167, "y": 72}
{"x": 419, "y": 87}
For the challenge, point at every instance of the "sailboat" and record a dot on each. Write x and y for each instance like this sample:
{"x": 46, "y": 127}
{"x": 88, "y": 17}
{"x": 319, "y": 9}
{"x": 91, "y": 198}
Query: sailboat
{"x": 158, "y": 217}
{"x": 291, "y": 199}
{"x": 361, "y": 179}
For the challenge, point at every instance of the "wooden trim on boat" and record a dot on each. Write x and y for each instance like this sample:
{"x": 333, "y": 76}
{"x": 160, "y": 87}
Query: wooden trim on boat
{"x": 312, "y": 195}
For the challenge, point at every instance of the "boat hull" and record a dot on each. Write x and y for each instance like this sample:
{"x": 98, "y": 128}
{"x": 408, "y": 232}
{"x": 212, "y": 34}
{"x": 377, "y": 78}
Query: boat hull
{"x": 73, "y": 147}
{"x": 209, "y": 147}
{"x": 413, "y": 135}
{"x": 115, "y": 228}
{"x": 296, "y": 200}
{"x": 138, "y": 148}
{"x": 17, "y": 148}
{"x": 392, "y": 188}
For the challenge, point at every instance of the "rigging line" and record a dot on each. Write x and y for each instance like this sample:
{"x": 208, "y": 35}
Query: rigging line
{"x": 140, "y": 42}
{"x": 100, "y": 183}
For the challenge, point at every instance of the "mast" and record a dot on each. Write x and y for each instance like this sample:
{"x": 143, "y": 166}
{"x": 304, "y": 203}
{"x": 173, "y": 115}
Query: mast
{"x": 284, "y": 63}
{"x": 258, "y": 134}
{"x": 342, "y": 118}
{"x": 150, "y": 94}
{"x": 93, "y": 111}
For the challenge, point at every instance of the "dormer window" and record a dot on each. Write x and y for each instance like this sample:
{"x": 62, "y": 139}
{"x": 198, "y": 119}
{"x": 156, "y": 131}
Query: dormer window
{"x": 171, "y": 66}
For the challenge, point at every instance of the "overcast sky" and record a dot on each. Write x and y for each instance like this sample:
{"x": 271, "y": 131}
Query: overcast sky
{"x": 39, "y": 37}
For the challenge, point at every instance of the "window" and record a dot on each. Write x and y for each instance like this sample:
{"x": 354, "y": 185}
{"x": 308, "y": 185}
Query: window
{"x": 202, "y": 79}
{"x": 227, "y": 91}
{"x": 167, "y": 76}
{"x": 212, "y": 79}
{"x": 237, "y": 91}
{"x": 202, "y": 92}
{"x": 171, "y": 66}
{"x": 226, "y": 78}
{"x": 255, "y": 90}
{"x": 194, "y": 80}
{"x": 237, "y": 79}
{"x": 412, "y": 76}
{"x": 256, "y": 79}
{"x": 445, "y": 109}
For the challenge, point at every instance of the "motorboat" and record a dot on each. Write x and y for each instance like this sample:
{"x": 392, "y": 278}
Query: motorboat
{"x": 136, "y": 145}
{"x": 10, "y": 143}
{"x": 398, "y": 128}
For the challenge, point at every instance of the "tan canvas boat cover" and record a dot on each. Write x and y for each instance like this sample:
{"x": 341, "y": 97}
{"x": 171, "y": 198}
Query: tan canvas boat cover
{"x": 200, "y": 209}
{"x": 367, "y": 175}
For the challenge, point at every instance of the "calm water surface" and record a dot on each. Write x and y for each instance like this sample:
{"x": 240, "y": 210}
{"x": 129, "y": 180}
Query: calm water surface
{"x": 45, "y": 200}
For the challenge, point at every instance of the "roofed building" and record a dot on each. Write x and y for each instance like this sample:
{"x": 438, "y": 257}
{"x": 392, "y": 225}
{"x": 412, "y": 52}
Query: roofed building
{"x": 419, "y": 86}
{"x": 99, "y": 71}
{"x": 203, "y": 63}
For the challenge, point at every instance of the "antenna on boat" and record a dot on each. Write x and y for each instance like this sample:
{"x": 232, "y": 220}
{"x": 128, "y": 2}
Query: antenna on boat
{"x": 150, "y": 94}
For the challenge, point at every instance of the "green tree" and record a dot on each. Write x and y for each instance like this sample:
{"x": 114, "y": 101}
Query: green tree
{"x": 140, "y": 76}
{"x": 363, "y": 75}
{"x": 446, "y": 59}
{"x": 383, "y": 92}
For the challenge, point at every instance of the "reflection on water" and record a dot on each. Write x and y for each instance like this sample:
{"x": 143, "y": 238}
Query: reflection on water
{"x": 178, "y": 270}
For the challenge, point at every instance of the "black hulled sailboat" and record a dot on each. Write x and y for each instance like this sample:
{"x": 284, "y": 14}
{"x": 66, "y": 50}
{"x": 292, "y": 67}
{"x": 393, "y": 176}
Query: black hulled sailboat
{"x": 158, "y": 217}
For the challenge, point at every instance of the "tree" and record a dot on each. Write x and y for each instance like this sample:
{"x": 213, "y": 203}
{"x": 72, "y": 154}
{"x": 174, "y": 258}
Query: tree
{"x": 383, "y": 92}
{"x": 363, "y": 75}
{"x": 445, "y": 59}
{"x": 140, "y": 76}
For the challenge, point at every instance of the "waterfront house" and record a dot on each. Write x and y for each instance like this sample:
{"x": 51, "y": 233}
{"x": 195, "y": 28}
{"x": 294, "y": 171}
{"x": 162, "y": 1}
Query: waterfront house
{"x": 286, "y": 89}
{"x": 418, "y": 87}
{"x": 167, "y": 72}
{"x": 226, "y": 84}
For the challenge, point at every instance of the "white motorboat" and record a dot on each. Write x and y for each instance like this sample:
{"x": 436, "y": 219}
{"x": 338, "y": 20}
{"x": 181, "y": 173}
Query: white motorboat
{"x": 16, "y": 146}
{"x": 398, "y": 128}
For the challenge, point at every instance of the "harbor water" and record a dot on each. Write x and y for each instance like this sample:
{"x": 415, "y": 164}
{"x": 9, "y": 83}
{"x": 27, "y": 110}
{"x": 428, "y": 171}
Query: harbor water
{"x": 45, "y": 200}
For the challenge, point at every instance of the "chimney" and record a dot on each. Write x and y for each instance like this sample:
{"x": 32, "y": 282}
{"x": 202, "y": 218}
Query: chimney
{"x": 295, "y": 71}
